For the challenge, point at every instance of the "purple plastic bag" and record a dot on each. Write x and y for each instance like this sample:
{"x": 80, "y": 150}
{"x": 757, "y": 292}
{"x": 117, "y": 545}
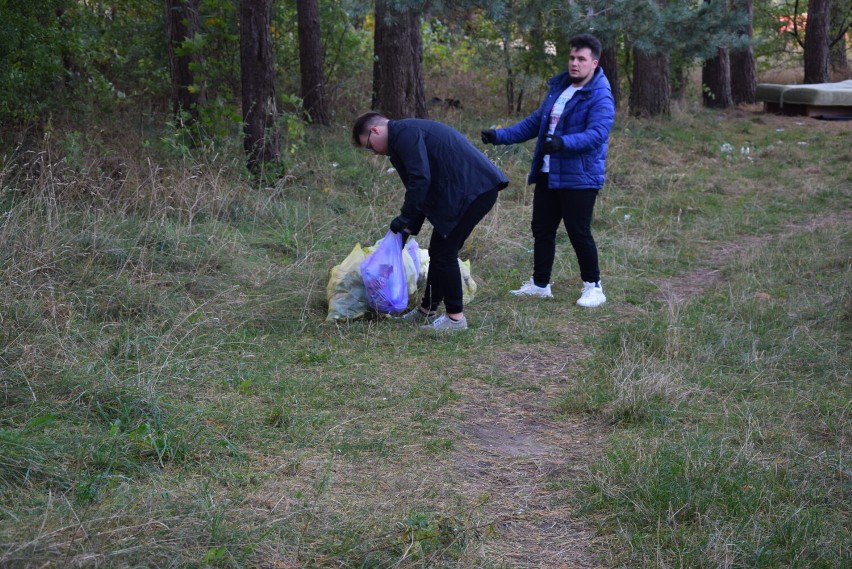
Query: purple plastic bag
{"x": 384, "y": 276}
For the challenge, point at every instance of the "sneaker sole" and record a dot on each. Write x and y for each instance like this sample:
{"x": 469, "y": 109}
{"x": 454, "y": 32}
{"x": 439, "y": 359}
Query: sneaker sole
{"x": 417, "y": 320}
{"x": 452, "y": 329}
{"x": 513, "y": 293}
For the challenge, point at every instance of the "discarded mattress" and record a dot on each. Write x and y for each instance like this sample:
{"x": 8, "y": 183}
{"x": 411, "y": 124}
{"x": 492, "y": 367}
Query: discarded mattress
{"x": 811, "y": 100}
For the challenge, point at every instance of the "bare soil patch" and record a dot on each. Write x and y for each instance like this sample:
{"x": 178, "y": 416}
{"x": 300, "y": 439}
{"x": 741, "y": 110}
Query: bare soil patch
{"x": 515, "y": 452}
{"x": 755, "y": 114}
{"x": 692, "y": 283}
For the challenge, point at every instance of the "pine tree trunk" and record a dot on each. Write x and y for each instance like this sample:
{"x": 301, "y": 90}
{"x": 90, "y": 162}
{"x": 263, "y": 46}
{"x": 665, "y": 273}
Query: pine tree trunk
{"x": 398, "y": 86}
{"x": 260, "y": 113}
{"x": 649, "y": 95}
{"x": 609, "y": 63}
{"x": 183, "y": 24}
{"x": 817, "y": 42}
{"x": 839, "y": 59}
{"x": 839, "y": 18}
{"x": 311, "y": 61}
{"x": 508, "y": 63}
{"x": 609, "y": 56}
{"x": 743, "y": 69}
{"x": 716, "y": 75}
{"x": 419, "y": 84}
{"x": 510, "y": 90}
{"x": 716, "y": 81}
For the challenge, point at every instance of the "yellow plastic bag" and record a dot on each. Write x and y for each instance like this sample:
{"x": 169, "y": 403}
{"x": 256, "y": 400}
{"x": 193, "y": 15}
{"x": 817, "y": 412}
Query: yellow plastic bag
{"x": 468, "y": 284}
{"x": 346, "y": 294}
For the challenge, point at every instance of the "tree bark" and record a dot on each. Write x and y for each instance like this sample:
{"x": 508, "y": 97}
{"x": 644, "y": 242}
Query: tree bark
{"x": 649, "y": 95}
{"x": 398, "y": 86}
{"x": 743, "y": 69}
{"x": 817, "y": 42}
{"x": 187, "y": 96}
{"x": 609, "y": 56}
{"x": 261, "y": 139}
{"x": 311, "y": 61}
{"x": 650, "y": 92}
{"x": 716, "y": 77}
{"x": 508, "y": 60}
{"x": 609, "y": 63}
{"x": 716, "y": 80}
{"x": 839, "y": 59}
{"x": 840, "y": 25}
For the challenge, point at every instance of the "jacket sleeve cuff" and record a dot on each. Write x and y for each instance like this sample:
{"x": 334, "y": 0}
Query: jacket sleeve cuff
{"x": 416, "y": 224}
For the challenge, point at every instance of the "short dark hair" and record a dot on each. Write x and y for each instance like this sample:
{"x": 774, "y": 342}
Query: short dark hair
{"x": 363, "y": 124}
{"x": 589, "y": 41}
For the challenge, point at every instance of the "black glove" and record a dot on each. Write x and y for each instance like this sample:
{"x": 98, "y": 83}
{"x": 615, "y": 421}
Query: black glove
{"x": 489, "y": 136}
{"x": 552, "y": 145}
{"x": 399, "y": 223}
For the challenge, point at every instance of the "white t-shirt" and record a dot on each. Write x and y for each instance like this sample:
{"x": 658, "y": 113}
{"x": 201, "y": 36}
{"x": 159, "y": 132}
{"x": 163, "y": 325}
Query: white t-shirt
{"x": 555, "y": 114}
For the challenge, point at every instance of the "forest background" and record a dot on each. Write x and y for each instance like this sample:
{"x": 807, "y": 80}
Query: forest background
{"x": 177, "y": 179}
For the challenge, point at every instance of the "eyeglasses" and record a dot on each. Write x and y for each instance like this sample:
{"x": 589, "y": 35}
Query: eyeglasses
{"x": 369, "y": 146}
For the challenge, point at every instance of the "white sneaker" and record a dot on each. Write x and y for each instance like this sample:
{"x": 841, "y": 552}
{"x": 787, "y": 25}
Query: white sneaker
{"x": 443, "y": 323}
{"x": 593, "y": 295}
{"x": 529, "y": 288}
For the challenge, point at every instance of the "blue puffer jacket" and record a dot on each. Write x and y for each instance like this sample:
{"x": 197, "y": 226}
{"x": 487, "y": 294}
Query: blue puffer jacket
{"x": 584, "y": 128}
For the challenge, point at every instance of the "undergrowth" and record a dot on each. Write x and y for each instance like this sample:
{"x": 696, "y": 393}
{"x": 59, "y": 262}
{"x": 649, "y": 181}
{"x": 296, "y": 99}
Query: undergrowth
{"x": 173, "y": 396}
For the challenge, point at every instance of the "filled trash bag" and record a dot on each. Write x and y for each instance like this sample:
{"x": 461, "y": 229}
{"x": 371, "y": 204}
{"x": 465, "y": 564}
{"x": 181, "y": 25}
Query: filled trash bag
{"x": 411, "y": 262}
{"x": 383, "y": 273}
{"x": 468, "y": 284}
{"x": 346, "y": 294}
{"x": 413, "y": 250}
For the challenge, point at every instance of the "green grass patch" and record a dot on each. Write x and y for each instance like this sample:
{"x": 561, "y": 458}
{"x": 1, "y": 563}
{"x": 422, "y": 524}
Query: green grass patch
{"x": 749, "y": 466}
{"x": 172, "y": 394}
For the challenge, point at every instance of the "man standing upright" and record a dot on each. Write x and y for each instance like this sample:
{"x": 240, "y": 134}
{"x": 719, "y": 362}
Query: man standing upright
{"x": 572, "y": 128}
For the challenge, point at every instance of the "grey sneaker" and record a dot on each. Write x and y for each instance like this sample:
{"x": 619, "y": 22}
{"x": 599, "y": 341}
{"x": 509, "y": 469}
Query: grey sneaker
{"x": 444, "y": 324}
{"x": 529, "y": 288}
{"x": 415, "y": 316}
